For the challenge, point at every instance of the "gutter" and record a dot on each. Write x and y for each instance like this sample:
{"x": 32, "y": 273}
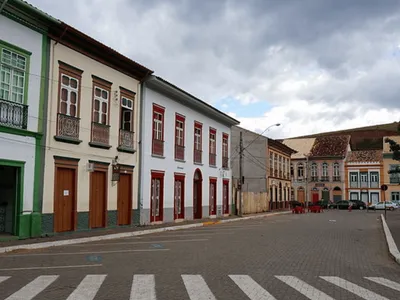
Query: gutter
{"x": 2, "y": 5}
{"x": 36, "y": 10}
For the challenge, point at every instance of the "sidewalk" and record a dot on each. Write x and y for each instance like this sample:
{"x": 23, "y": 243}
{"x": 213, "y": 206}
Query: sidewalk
{"x": 113, "y": 233}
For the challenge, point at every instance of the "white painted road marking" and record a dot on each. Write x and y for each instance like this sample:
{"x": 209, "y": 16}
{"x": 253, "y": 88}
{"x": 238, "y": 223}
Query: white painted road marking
{"x": 3, "y": 278}
{"x": 141, "y": 242}
{"x": 197, "y": 288}
{"x": 251, "y": 288}
{"x": 386, "y": 282}
{"x": 143, "y": 288}
{"x": 32, "y": 289}
{"x": 353, "y": 288}
{"x": 88, "y": 288}
{"x": 304, "y": 288}
{"x": 51, "y": 267}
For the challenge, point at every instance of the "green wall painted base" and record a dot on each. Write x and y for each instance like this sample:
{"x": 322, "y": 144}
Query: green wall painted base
{"x": 36, "y": 224}
{"x": 24, "y": 226}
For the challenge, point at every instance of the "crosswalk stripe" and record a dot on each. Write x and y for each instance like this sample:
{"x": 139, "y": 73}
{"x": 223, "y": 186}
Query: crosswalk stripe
{"x": 386, "y": 282}
{"x": 197, "y": 288}
{"x": 304, "y": 288}
{"x": 3, "y": 278}
{"x": 33, "y": 288}
{"x": 88, "y": 288}
{"x": 251, "y": 288}
{"x": 143, "y": 288}
{"x": 353, "y": 288}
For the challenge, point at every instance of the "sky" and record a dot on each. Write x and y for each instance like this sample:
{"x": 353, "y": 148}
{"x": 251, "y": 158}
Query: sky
{"x": 309, "y": 65}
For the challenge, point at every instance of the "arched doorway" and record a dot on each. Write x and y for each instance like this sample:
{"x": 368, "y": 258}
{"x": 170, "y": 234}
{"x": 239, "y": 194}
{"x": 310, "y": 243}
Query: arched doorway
{"x": 300, "y": 194}
{"x": 280, "y": 205}
{"x": 325, "y": 195}
{"x": 315, "y": 195}
{"x": 197, "y": 195}
{"x": 337, "y": 194}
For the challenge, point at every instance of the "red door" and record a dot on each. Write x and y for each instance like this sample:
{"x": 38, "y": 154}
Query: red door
{"x": 157, "y": 197}
{"x": 213, "y": 196}
{"x": 225, "y": 196}
{"x": 315, "y": 197}
{"x": 179, "y": 197}
{"x": 197, "y": 195}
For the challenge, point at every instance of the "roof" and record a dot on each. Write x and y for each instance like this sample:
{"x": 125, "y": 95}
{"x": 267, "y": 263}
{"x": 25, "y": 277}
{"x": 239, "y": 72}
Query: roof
{"x": 386, "y": 146}
{"x": 302, "y": 146}
{"x": 166, "y": 88}
{"x": 330, "y": 146}
{"x": 280, "y": 146}
{"x": 364, "y": 156}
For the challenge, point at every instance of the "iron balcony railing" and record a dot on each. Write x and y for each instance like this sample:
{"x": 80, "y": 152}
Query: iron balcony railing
{"x": 158, "y": 147}
{"x": 13, "y": 114}
{"x": 126, "y": 139}
{"x": 179, "y": 152}
{"x": 68, "y": 127}
{"x": 100, "y": 133}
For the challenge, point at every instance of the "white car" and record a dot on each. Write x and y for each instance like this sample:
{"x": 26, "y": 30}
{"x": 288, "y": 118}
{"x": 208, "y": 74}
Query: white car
{"x": 381, "y": 205}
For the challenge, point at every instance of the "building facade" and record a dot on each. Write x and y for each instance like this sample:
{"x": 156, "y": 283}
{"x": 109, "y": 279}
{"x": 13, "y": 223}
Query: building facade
{"x": 185, "y": 167}
{"x": 23, "y": 72}
{"x": 299, "y": 167}
{"x": 279, "y": 180}
{"x": 391, "y": 180}
{"x": 364, "y": 175}
{"x": 326, "y": 168}
{"x": 90, "y": 178}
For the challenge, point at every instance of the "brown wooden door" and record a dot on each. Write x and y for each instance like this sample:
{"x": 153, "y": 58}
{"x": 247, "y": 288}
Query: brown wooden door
{"x": 98, "y": 199}
{"x": 64, "y": 204}
{"x": 213, "y": 197}
{"x": 179, "y": 198}
{"x": 300, "y": 195}
{"x": 124, "y": 202}
{"x": 225, "y": 196}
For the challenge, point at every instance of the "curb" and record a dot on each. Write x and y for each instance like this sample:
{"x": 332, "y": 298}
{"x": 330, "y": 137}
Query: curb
{"x": 129, "y": 234}
{"x": 390, "y": 241}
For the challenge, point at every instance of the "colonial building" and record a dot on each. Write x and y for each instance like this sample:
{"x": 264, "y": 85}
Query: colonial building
{"x": 326, "y": 168}
{"x": 185, "y": 150}
{"x": 391, "y": 180}
{"x": 23, "y": 97}
{"x": 279, "y": 180}
{"x": 91, "y": 150}
{"x": 299, "y": 167}
{"x": 364, "y": 175}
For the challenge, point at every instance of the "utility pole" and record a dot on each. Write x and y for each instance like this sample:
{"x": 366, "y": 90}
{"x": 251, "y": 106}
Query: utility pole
{"x": 241, "y": 174}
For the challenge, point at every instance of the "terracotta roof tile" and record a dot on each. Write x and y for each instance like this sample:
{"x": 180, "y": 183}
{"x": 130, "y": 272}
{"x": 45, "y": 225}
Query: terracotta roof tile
{"x": 325, "y": 146}
{"x": 365, "y": 156}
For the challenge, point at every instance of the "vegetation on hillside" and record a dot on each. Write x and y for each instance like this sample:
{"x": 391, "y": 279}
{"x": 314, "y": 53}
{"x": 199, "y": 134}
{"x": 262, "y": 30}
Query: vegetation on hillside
{"x": 395, "y": 148}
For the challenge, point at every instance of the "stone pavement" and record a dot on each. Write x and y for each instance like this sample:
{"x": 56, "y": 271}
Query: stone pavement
{"x": 331, "y": 255}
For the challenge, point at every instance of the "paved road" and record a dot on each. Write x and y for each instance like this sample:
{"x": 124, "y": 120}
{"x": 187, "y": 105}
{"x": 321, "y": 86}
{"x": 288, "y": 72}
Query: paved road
{"x": 332, "y": 255}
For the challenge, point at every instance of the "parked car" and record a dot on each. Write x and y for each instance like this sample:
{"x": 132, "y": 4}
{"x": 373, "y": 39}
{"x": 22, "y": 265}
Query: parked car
{"x": 381, "y": 205}
{"x": 342, "y": 204}
{"x": 293, "y": 204}
{"x": 358, "y": 204}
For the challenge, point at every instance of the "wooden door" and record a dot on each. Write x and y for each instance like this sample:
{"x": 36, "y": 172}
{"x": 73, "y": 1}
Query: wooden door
{"x": 157, "y": 205}
{"x": 225, "y": 196}
{"x": 213, "y": 197}
{"x": 179, "y": 198}
{"x": 98, "y": 199}
{"x": 300, "y": 195}
{"x": 124, "y": 201}
{"x": 315, "y": 197}
{"x": 64, "y": 204}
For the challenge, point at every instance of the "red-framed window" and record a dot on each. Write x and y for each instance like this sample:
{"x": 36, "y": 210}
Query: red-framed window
{"x": 198, "y": 135}
{"x": 225, "y": 150}
{"x": 157, "y": 196}
{"x": 179, "y": 137}
{"x": 158, "y": 130}
{"x": 212, "y": 147}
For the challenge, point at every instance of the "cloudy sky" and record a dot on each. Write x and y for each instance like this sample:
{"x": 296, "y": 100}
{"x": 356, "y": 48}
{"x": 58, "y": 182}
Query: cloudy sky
{"x": 311, "y": 65}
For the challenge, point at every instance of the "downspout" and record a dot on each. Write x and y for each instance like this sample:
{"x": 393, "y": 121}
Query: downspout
{"x": 2, "y": 5}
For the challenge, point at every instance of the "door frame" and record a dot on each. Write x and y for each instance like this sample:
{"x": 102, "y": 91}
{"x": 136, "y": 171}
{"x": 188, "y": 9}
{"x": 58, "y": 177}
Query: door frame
{"x": 19, "y": 192}
{"x": 224, "y": 183}
{"x": 180, "y": 177}
{"x": 99, "y": 166}
{"x": 213, "y": 180}
{"x": 125, "y": 169}
{"x": 157, "y": 174}
{"x": 199, "y": 193}
{"x": 66, "y": 163}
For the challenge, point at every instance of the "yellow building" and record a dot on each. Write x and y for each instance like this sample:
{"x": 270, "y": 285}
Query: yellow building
{"x": 391, "y": 180}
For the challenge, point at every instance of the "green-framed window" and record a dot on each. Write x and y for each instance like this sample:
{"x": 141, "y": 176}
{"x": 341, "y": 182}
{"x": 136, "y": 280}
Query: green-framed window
{"x": 14, "y": 73}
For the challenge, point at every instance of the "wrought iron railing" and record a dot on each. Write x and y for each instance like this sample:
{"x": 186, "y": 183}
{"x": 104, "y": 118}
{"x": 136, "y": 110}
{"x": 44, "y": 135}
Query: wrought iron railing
{"x": 225, "y": 162}
{"x": 179, "y": 152}
{"x": 212, "y": 159}
{"x": 67, "y": 126}
{"x": 13, "y": 114}
{"x": 324, "y": 178}
{"x": 198, "y": 156}
{"x": 100, "y": 133}
{"x": 126, "y": 139}
{"x": 336, "y": 178}
{"x": 158, "y": 147}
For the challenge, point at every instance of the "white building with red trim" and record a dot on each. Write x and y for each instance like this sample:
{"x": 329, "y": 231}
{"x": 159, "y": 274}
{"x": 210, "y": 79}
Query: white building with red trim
{"x": 184, "y": 167}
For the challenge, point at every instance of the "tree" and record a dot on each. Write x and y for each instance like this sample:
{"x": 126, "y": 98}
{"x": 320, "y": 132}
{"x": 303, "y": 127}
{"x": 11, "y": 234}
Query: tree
{"x": 395, "y": 149}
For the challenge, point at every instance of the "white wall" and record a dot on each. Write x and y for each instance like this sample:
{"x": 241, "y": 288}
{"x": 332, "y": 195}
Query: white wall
{"x": 29, "y": 40}
{"x": 22, "y": 149}
{"x": 169, "y": 164}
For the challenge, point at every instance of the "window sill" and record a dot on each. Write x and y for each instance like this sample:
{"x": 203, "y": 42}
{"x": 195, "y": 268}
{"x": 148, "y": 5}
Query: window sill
{"x": 99, "y": 145}
{"x": 180, "y": 160}
{"x": 158, "y": 156}
{"x": 198, "y": 163}
{"x": 213, "y": 166}
{"x": 68, "y": 140}
{"x": 126, "y": 150}
{"x": 225, "y": 168}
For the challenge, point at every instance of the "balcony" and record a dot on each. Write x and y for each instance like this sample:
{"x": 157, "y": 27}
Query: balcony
{"x": 324, "y": 178}
{"x": 100, "y": 136}
{"x": 158, "y": 147}
{"x": 197, "y": 156}
{"x": 68, "y": 129}
{"x": 213, "y": 159}
{"x": 225, "y": 162}
{"x": 354, "y": 184}
{"x": 13, "y": 114}
{"x": 126, "y": 141}
{"x": 314, "y": 178}
{"x": 179, "y": 152}
{"x": 336, "y": 178}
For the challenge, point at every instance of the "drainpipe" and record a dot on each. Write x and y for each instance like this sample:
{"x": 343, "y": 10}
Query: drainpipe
{"x": 2, "y": 5}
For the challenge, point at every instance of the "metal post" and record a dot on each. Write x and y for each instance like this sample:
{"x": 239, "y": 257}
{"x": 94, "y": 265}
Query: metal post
{"x": 241, "y": 174}
{"x": 384, "y": 201}
{"x": 306, "y": 178}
